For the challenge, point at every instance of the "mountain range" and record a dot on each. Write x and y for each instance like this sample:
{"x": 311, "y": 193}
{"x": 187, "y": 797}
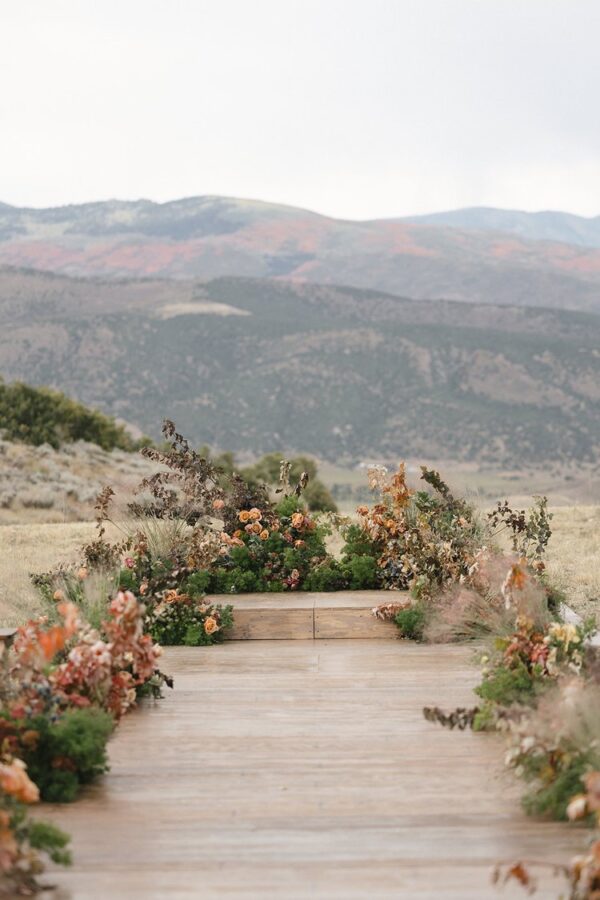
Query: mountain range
{"x": 480, "y": 256}
{"x": 254, "y": 365}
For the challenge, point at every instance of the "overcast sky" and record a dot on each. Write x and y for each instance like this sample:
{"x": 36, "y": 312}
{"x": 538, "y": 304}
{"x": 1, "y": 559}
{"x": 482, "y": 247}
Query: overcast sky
{"x": 355, "y": 108}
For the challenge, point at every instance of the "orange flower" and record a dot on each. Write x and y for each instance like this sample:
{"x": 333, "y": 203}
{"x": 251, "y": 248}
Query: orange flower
{"x": 255, "y": 514}
{"x": 237, "y": 534}
{"x": 9, "y": 849}
{"x": 256, "y": 528}
{"x": 299, "y": 544}
{"x": 15, "y": 781}
{"x": 244, "y": 516}
{"x": 218, "y": 504}
{"x": 264, "y": 535}
{"x": 210, "y": 625}
{"x": 297, "y": 520}
{"x": 363, "y": 510}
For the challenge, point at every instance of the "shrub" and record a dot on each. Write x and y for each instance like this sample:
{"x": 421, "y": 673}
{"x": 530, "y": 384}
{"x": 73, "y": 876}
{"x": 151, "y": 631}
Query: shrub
{"x": 42, "y": 416}
{"x": 411, "y": 622}
{"x": 182, "y": 619}
{"x": 65, "y": 754}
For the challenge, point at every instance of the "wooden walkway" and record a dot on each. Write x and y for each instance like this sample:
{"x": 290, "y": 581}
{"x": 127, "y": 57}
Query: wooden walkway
{"x": 303, "y": 769}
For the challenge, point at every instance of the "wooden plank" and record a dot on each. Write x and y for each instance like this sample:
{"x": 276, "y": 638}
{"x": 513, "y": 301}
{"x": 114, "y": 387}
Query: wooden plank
{"x": 263, "y": 624}
{"x": 299, "y": 616}
{"x": 284, "y": 770}
{"x": 336, "y": 623}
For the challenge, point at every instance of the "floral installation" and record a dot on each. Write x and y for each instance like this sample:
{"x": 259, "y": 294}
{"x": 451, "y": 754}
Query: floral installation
{"x": 24, "y": 841}
{"x": 65, "y": 685}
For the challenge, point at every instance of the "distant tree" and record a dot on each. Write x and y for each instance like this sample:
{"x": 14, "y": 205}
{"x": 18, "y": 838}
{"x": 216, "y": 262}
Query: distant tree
{"x": 316, "y": 494}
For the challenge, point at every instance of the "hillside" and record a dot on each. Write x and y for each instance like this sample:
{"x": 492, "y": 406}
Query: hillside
{"x": 254, "y": 365}
{"x": 212, "y": 237}
{"x": 549, "y": 225}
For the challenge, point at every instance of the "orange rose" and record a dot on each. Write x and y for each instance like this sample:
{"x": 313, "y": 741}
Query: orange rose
{"x": 210, "y": 625}
{"x": 297, "y": 520}
{"x": 264, "y": 535}
{"x": 15, "y": 781}
{"x": 244, "y": 516}
{"x": 237, "y": 534}
{"x": 255, "y": 514}
{"x": 218, "y": 504}
{"x": 256, "y": 528}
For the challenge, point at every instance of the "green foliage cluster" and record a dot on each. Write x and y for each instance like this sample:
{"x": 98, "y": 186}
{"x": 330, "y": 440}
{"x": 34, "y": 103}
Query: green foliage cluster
{"x": 189, "y": 622}
{"x": 411, "y": 621}
{"x": 507, "y": 684}
{"x": 37, "y": 416}
{"x": 34, "y": 839}
{"x": 554, "y": 785}
{"x": 65, "y": 754}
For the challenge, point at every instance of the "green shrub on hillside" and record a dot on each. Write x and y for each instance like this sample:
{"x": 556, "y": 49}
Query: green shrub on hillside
{"x": 37, "y": 416}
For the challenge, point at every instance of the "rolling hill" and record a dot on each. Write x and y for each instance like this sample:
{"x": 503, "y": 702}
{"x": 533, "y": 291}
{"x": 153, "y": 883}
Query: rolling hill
{"x": 214, "y": 237}
{"x": 252, "y": 364}
{"x": 548, "y": 225}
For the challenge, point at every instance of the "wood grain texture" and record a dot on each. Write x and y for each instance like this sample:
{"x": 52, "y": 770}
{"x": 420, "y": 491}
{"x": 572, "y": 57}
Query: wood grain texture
{"x": 302, "y": 615}
{"x": 337, "y": 622}
{"x": 299, "y": 770}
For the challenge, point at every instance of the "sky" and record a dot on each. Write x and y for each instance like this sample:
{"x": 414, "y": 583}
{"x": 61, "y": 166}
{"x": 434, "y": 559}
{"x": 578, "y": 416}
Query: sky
{"x": 354, "y": 108}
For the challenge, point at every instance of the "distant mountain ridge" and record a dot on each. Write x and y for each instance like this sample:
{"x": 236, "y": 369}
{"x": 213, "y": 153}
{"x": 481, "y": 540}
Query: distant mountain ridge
{"x": 546, "y": 225}
{"x": 478, "y": 256}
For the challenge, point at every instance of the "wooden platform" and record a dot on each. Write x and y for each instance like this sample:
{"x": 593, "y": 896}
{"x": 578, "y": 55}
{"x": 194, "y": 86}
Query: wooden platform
{"x": 306, "y": 616}
{"x": 304, "y": 770}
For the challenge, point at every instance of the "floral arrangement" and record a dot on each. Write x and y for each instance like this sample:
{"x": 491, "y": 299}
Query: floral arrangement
{"x": 540, "y": 687}
{"x": 23, "y": 840}
{"x": 66, "y": 684}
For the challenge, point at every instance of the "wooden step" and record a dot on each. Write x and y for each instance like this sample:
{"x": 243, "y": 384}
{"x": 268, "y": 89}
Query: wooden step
{"x": 306, "y": 616}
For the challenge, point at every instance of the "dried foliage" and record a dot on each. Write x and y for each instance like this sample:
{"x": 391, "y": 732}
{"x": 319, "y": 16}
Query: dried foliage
{"x": 425, "y": 539}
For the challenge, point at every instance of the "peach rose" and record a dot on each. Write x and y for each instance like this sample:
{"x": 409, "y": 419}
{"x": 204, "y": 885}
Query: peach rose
{"x": 210, "y": 625}
{"x": 218, "y": 504}
{"x": 244, "y": 516}
{"x": 264, "y": 535}
{"x": 255, "y": 514}
{"x": 256, "y": 528}
{"x": 15, "y": 781}
{"x": 297, "y": 520}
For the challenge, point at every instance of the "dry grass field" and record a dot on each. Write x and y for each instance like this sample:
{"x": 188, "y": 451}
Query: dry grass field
{"x": 573, "y": 559}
